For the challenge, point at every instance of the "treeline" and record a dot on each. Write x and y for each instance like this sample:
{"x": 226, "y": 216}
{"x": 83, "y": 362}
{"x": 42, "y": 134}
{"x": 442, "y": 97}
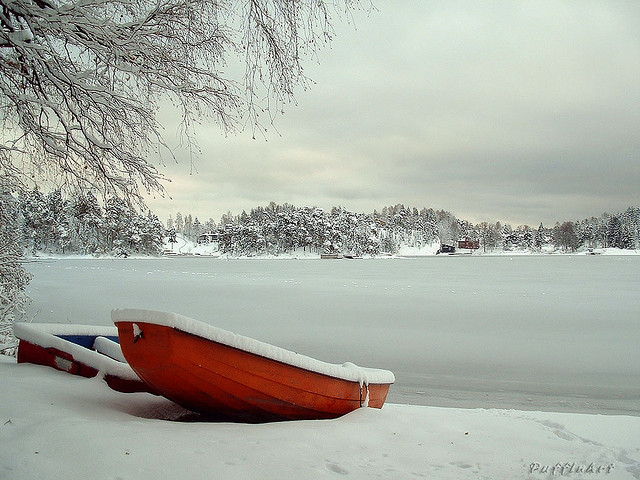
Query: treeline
{"x": 81, "y": 225}
{"x": 276, "y": 229}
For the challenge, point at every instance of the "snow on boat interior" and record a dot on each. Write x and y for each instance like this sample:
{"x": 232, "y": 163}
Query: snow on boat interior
{"x": 83, "y": 350}
{"x": 231, "y": 377}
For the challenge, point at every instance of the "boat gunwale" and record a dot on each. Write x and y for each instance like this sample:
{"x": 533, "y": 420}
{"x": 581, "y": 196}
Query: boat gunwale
{"x": 347, "y": 371}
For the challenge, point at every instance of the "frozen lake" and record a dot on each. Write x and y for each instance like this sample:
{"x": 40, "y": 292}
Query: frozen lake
{"x": 555, "y": 333}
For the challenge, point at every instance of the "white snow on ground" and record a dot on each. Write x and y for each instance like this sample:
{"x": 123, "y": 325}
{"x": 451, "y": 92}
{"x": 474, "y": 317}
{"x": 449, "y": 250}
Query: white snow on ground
{"x": 57, "y": 426}
{"x": 407, "y": 251}
{"x": 495, "y": 335}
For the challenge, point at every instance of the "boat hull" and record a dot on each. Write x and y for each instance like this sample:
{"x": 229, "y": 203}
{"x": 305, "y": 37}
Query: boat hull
{"x": 42, "y": 344}
{"x": 229, "y": 383}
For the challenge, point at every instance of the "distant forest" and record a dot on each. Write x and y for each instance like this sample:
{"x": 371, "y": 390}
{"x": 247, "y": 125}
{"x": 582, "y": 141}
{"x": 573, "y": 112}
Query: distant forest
{"x": 83, "y": 225}
{"x": 277, "y": 229}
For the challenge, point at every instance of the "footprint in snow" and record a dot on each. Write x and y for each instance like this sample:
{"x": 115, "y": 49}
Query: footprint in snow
{"x": 336, "y": 468}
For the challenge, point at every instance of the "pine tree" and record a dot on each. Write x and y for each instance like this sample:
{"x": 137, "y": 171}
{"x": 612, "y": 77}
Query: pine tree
{"x": 188, "y": 227}
{"x": 196, "y": 229}
{"x": 57, "y": 221}
{"x": 117, "y": 227}
{"x": 34, "y": 213}
{"x": 86, "y": 221}
{"x": 539, "y": 239}
{"x": 614, "y": 232}
{"x": 179, "y": 223}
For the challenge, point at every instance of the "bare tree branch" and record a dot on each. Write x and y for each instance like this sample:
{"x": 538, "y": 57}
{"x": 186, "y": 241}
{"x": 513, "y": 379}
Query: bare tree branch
{"x": 81, "y": 81}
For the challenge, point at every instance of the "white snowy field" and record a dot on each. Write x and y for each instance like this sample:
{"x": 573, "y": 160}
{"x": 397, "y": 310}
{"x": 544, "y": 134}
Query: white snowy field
{"x": 55, "y": 426}
{"x": 542, "y": 353}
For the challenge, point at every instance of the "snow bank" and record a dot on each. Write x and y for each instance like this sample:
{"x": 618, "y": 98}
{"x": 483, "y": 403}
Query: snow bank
{"x": 407, "y": 251}
{"x": 347, "y": 371}
{"x": 617, "y": 251}
{"x": 54, "y": 425}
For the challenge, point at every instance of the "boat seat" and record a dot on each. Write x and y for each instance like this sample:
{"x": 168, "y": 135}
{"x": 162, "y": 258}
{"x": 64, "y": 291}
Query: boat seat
{"x": 109, "y": 348}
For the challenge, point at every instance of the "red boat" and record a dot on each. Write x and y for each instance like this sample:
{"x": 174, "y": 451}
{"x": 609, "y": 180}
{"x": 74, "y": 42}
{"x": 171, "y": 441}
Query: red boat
{"x": 227, "y": 376}
{"x": 83, "y": 350}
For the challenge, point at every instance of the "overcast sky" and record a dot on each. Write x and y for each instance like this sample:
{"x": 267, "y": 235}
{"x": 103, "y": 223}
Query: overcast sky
{"x": 517, "y": 111}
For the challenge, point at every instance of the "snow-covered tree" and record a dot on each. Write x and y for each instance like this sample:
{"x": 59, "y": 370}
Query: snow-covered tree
{"x": 209, "y": 226}
{"x": 117, "y": 227}
{"x": 188, "y": 226}
{"x": 57, "y": 221}
{"x": 86, "y": 220}
{"x": 13, "y": 277}
{"x": 614, "y": 232}
{"x": 196, "y": 229}
{"x": 539, "y": 238}
{"x": 81, "y": 82}
{"x": 34, "y": 212}
{"x": 447, "y": 227}
{"x": 179, "y": 223}
{"x": 565, "y": 236}
{"x": 150, "y": 234}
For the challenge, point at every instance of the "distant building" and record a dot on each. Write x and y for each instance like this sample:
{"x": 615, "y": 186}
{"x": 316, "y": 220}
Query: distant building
{"x": 446, "y": 249}
{"x": 469, "y": 244}
{"x": 209, "y": 237}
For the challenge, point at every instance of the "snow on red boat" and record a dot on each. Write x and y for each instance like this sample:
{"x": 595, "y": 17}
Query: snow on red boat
{"x": 228, "y": 376}
{"x": 83, "y": 350}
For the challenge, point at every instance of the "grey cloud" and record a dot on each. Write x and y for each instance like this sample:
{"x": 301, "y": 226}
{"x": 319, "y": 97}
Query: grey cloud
{"x": 518, "y": 111}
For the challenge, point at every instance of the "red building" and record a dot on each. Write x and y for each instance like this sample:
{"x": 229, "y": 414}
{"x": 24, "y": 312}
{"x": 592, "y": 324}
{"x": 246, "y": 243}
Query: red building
{"x": 470, "y": 244}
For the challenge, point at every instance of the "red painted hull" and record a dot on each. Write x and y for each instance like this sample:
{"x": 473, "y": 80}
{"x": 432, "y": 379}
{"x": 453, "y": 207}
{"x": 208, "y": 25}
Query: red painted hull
{"x": 63, "y": 361}
{"x": 229, "y": 383}
{"x": 53, "y": 350}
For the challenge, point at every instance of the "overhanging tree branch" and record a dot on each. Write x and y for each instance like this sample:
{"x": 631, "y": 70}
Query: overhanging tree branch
{"x": 81, "y": 81}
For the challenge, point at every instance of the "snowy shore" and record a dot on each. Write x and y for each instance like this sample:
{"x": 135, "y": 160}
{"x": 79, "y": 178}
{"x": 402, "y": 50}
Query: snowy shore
{"x": 487, "y": 352}
{"x": 185, "y": 247}
{"x": 54, "y": 426}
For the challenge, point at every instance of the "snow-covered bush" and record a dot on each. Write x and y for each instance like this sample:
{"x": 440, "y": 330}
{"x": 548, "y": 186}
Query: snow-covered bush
{"x": 13, "y": 277}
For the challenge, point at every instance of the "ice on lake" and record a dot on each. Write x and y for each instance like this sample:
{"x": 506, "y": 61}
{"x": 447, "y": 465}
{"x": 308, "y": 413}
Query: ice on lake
{"x": 556, "y": 333}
